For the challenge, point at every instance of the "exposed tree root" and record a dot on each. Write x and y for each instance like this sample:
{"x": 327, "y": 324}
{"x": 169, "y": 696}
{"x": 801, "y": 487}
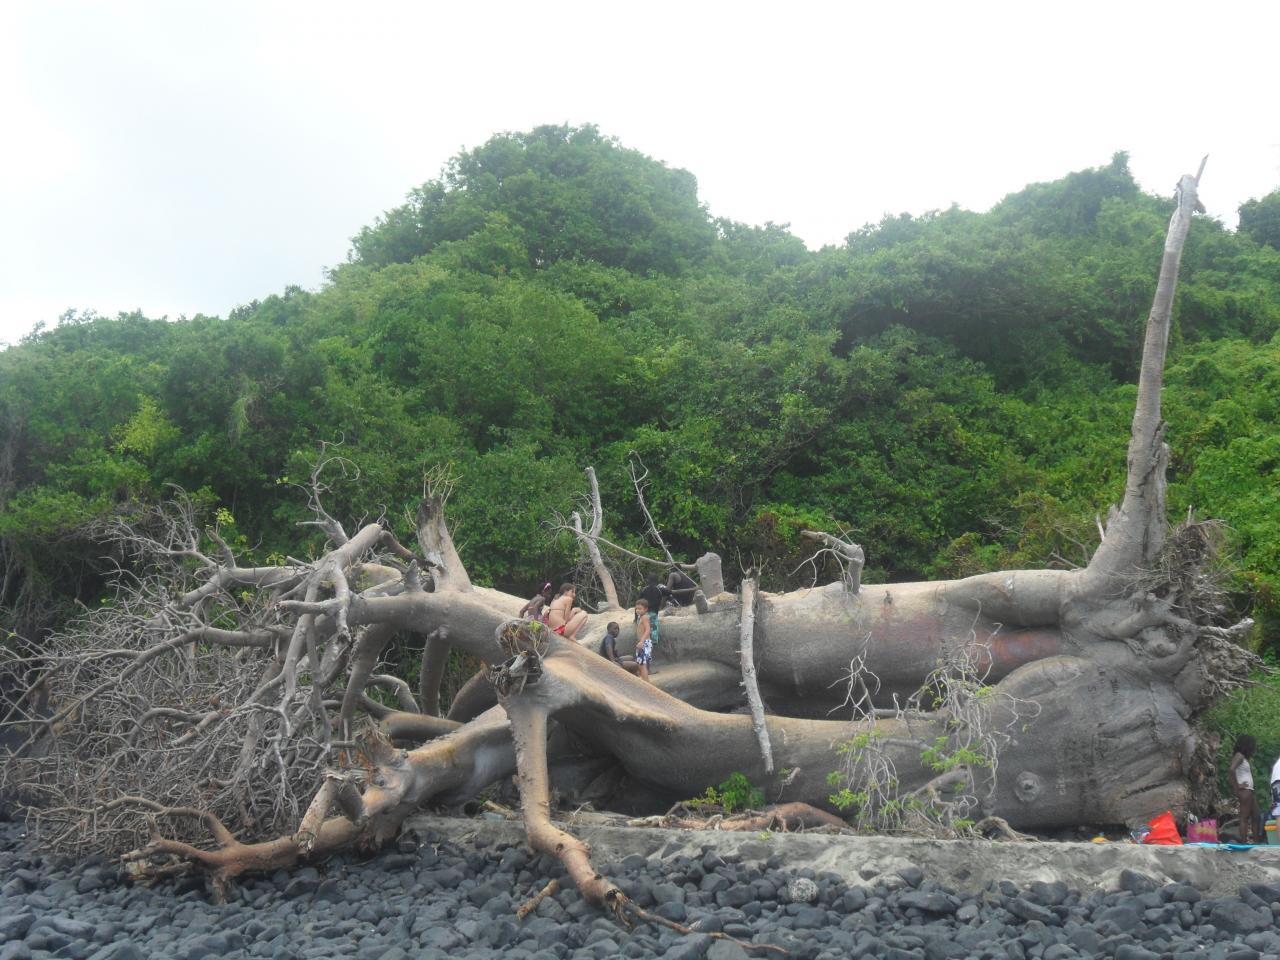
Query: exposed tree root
{"x": 416, "y": 727}
{"x": 783, "y": 817}
{"x": 999, "y": 827}
{"x": 639, "y": 913}
{"x": 531, "y": 904}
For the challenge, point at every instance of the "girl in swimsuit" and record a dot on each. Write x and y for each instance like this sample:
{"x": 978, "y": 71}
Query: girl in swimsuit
{"x": 563, "y": 617}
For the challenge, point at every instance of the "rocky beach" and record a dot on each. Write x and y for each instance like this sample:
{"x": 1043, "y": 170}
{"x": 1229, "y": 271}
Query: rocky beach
{"x": 432, "y": 898}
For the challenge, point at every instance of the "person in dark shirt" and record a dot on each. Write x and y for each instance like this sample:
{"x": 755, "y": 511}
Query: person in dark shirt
{"x": 654, "y": 595}
{"x": 681, "y": 587}
{"x": 609, "y": 649}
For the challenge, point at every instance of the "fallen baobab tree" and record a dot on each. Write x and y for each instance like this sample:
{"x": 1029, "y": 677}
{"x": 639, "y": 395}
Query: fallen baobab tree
{"x": 212, "y": 718}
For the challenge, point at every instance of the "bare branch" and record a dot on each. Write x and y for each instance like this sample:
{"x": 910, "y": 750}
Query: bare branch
{"x": 847, "y": 554}
{"x": 639, "y": 480}
{"x": 749, "y": 681}
{"x": 404, "y": 696}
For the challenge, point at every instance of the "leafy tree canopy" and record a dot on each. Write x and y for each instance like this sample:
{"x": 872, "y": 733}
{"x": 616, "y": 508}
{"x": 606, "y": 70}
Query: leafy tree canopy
{"x": 953, "y": 388}
{"x": 1260, "y": 219}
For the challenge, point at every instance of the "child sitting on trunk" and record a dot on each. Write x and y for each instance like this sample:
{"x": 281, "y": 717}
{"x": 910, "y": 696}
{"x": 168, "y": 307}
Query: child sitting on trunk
{"x": 536, "y": 608}
{"x": 609, "y": 649}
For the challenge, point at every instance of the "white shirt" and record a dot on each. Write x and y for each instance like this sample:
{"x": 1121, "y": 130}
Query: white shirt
{"x": 1275, "y": 778}
{"x": 1244, "y": 773}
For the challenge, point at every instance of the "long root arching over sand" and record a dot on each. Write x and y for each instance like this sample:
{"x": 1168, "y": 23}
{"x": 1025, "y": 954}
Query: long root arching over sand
{"x": 218, "y": 717}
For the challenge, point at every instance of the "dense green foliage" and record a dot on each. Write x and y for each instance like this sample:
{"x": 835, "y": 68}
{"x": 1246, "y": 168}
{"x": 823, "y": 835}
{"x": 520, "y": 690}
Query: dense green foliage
{"x": 954, "y": 389}
{"x": 1260, "y": 219}
{"x": 1255, "y": 711}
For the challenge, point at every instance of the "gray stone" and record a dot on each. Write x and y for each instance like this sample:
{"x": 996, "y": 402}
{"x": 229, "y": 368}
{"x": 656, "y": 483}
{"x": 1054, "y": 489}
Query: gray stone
{"x": 707, "y": 923}
{"x": 912, "y": 876}
{"x": 91, "y": 880}
{"x": 941, "y": 945}
{"x": 442, "y": 938}
{"x": 1136, "y": 883}
{"x": 1238, "y": 918}
{"x": 1122, "y": 918}
{"x": 667, "y": 893}
{"x": 15, "y": 926}
{"x": 810, "y": 917}
{"x": 1049, "y": 894}
{"x": 120, "y": 950}
{"x": 633, "y": 863}
{"x": 726, "y": 950}
{"x": 212, "y": 945}
{"x": 1131, "y": 951}
{"x": 693, "y": 947}
{"x": 484, "y": 893}
{"x": 75, "y": 929}
{"x": 930, "y": 902}
{"x": 736, "y": 896}
{"x": 499, "y": 932}
{"x": 300, "y": 887}
{"x": 1184, "y": 893}
{"x": 1266, "y": 942}
{"x": 672, "y": 910}
{"x": 1025, "y": 909}
{"x": 802, "y": 890}
{"x": 1085, "y": 939}
{"x": 715, "y": 883}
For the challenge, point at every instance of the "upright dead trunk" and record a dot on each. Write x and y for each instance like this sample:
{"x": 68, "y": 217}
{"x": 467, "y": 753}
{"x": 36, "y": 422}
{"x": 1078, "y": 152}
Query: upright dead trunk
{"x": 746, "y": 645}
{"x": 448, "y": 573}
{"x": 590, "y": 539}
{"x": 1135, "y": 531}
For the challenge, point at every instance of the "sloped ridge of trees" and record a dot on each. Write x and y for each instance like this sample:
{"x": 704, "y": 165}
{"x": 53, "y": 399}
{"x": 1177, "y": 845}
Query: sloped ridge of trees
{"x": 211, "y": 717}
{"x": 953, "y": 386}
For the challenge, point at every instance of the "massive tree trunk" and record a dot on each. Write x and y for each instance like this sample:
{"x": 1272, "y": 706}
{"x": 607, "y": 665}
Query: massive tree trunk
{"x": 1094, "y": 677}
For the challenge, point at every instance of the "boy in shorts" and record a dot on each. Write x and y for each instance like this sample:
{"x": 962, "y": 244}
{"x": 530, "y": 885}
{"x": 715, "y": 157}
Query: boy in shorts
{"x": 644, "y": 640}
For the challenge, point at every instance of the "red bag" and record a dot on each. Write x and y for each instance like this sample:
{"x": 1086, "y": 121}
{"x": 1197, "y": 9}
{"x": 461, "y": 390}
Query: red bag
{"x": 1202, "y": 831}
{"x": 1163, "y": 831}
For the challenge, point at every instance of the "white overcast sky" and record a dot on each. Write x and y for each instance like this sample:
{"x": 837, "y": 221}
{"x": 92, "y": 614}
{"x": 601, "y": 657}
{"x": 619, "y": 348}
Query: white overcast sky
{"x": 185, "y": 157}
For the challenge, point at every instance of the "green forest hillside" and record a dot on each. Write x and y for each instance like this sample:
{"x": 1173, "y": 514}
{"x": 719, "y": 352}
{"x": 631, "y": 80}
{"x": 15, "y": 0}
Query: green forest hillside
{"x": 953, "y": 389}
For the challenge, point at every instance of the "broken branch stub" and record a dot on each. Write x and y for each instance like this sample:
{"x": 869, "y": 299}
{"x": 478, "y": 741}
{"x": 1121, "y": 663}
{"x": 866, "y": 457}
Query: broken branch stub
{"x": 849, "y": 556}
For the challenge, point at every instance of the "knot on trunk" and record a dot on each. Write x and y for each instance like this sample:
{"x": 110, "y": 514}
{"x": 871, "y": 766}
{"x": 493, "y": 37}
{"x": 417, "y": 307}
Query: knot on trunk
{"x": 525, "y": 643}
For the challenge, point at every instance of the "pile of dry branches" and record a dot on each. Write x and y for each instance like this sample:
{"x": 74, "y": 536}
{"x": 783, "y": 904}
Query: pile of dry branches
{"x": 193, "y": 687}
